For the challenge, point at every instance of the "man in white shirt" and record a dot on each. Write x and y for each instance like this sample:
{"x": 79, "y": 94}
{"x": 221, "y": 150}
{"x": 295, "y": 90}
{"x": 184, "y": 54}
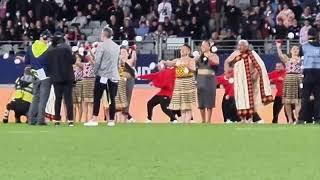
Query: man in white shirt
{"x": 164, "y": 10}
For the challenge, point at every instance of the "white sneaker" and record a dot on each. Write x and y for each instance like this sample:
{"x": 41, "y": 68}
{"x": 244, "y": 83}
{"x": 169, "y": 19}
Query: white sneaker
{"x": 111, "y": 123}
{"x": 148, "y": 121}
{"x": 261, "y": 121}
{"x": 91, "y": 123}
{"x": 175, "y": 122}
{"x": 131, "y": 120}
{"x": 229, "y": 121}
{"x": 193, "y": 121}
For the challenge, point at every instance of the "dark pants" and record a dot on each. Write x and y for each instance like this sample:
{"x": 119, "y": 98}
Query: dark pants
{"x": 63, "y": 90}
{"x": 178, "y": 113}
{"x": 277, "y": 106}
{"x": 229, "y": 109}
{"x": 311, "y": 85}
{"x": 19, "y": 107}
{"x": 311, "y": 109}
{"x": 111, "y": 88}
{"x": 164, "y": 102}
{"x": 41, "y": 92}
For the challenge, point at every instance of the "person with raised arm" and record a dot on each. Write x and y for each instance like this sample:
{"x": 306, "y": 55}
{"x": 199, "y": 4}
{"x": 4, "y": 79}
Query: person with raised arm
{"x": 207, "y": 65}
{"x": 183, "y": 96}
{"x": 291, "y": 95}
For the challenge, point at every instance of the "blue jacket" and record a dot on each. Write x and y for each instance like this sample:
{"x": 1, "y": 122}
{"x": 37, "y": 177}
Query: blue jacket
{"x": 35, "y": 56}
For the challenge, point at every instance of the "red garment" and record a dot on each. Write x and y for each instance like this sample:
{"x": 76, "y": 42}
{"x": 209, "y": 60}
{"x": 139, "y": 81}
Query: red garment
{"x": 164, "y": 80}
{"x": 228, "y": 85}
{"x": 276, "y": 77}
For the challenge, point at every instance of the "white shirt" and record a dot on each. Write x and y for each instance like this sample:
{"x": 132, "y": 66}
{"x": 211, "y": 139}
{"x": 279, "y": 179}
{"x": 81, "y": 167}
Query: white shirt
{"x": 164, "y": 10}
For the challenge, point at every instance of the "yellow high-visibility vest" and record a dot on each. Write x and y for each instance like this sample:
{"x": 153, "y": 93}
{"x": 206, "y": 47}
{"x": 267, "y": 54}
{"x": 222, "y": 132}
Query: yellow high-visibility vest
{"x": 23, "y": 93}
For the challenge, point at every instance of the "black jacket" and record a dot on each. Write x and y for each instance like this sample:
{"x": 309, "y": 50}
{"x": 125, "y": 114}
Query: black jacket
{"x": 60, "y": 61}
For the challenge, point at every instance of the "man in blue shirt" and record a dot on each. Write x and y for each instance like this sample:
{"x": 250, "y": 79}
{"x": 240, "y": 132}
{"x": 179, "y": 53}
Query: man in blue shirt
{"x": 35, "y": 56}
{"x": 311, "y": 77}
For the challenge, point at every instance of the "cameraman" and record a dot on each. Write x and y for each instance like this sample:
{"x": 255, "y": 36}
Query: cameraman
{"x": 60, "y": 70}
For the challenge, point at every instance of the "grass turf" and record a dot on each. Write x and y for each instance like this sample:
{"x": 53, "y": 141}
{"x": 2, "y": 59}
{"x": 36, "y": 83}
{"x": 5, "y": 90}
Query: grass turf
{"x": 160, "y": 152}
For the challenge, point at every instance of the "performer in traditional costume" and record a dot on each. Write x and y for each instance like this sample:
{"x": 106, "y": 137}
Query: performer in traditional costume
{"x": 276, "y": 77}
{"x": 87, "y": 82}
{"x": 251, "y": 82}
{"x": 129, "y": 70}
{"x": 121, "y": 97}
{"x": 130, "y": 60}
{"x": 184, "y": 89}
{"x": 206, "y": 81}
{"x": 164, "y": 79}
{"x": 77, "y": 88}
{"x": 291, "y": 95}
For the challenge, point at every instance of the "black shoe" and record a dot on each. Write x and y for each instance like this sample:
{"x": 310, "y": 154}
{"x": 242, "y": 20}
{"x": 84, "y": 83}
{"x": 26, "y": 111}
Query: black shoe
{"x": 42, "y": 124}
{"x": 57, "y": 123}
{"x": 70, "y": 124}
{"x": 300, "y": 122}
{"x": 5, "y": 120}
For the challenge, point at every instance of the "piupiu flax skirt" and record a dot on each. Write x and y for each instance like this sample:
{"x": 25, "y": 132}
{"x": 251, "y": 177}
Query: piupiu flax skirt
{"x": 184, "y": 95}
{"x": 121, "y": 97}
{"x": 291, "y": 90}
{"x": 87, "y": 90}
{"x": 76, "y": 93}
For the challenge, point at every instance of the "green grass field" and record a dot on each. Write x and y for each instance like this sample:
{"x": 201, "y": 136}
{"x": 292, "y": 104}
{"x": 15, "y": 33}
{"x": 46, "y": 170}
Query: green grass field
{"x": 160, "y": 152}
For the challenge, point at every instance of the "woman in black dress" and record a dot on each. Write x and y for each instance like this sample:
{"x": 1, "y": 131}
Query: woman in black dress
{"x": 206, "y": 81}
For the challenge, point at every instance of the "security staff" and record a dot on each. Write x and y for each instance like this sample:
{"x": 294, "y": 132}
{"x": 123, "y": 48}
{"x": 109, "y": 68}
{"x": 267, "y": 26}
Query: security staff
{"x": 311, "y": 76}
{"x": 22, "y": 97}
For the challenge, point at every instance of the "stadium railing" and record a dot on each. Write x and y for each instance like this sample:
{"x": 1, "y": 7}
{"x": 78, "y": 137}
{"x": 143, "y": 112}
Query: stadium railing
{"x": 166, "y": 48}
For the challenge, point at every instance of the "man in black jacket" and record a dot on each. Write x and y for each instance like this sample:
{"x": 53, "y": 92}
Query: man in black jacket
{"x": 60, "y": 61}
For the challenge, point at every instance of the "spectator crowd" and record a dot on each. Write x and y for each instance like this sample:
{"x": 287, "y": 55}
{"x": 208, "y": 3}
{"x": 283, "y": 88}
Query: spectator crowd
{"x": 199, "y": 19}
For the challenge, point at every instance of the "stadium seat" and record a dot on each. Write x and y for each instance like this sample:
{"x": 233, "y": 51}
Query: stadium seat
{"x": 6, "y": 48}
{"x": 96, "y": 32}
{"x": 92, "y": 39}
{"x": 103, "y": 24}
{"x": 94, "y": 24}
{"x": 87, "y": 32}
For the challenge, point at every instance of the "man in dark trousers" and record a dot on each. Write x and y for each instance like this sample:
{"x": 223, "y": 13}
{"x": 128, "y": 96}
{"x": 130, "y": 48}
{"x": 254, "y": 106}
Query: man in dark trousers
{"x": 60, "y": 61}
{"x": 22, "y": 96}
{"x": 164, "y": 80}
{"x": 276, "y": 77}
{"x": 35, "y": 57}
{"x": 311, "y": 77}
{"x": 107, "y": 76}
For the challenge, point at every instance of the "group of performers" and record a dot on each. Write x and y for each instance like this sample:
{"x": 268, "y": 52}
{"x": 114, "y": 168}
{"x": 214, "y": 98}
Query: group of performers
{"x": 187, "y": 78}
